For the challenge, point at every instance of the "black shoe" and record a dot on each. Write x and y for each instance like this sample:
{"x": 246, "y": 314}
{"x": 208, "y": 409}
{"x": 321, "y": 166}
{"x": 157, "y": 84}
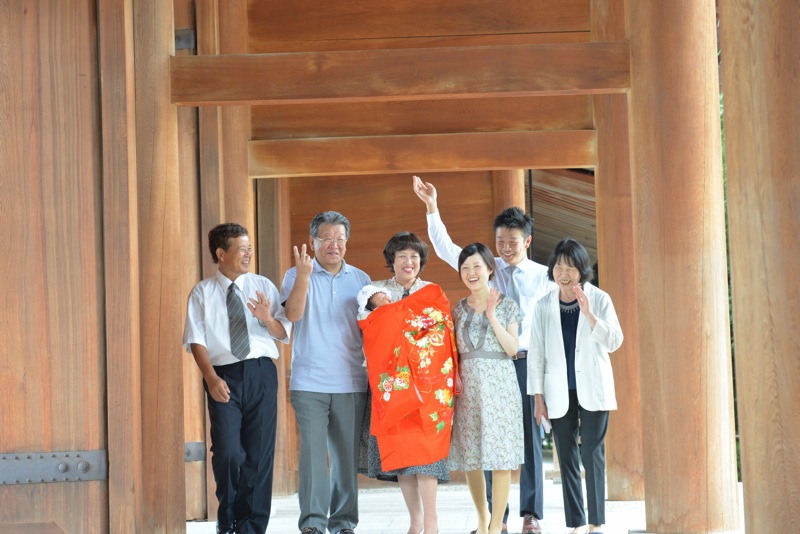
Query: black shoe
{"x": 224, "y": 529}
{"x": 311, "y": 530}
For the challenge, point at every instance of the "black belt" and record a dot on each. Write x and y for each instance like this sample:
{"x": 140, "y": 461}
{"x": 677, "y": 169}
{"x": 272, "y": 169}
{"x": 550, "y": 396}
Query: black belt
{"x": 521, "y": 355}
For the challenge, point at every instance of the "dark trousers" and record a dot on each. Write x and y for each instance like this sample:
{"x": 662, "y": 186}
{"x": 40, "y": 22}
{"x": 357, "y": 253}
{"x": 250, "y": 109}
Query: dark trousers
{"x": 531, "y": 477}
{"x": 592, "y": 427}
{"x": 243, "y": 444}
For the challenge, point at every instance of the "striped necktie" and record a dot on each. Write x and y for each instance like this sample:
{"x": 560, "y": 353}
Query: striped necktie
{"x": 237, "y": 324}
{"x": 512, "y": 291}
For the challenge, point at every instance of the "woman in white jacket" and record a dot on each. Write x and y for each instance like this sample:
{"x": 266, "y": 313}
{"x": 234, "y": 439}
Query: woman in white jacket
{"x": 574, "y": 329}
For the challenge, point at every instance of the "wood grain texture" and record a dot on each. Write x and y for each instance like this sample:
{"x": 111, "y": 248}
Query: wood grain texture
{"x": 52, "y": 306}
{"x": 508, "y": 189}
{"x": 193, "y": 250}
{"x": 563, "y": 206}
{"x": 121, "y": 248}
{"x": 239, "y": 191}
{"x": 274, "y": 24}
{"x": 415, "y": 117}
{"x": 617, "y": 272}
{"x": 624, "y": 457}
{"x": 422, "y": 153}
{"x": 274, "y": 237}
{"x": 425, "y": 73}
{"x": 162, "y": 284}
{"x": 679, "y": 236}
{"x": 271, "y": 47}
{"x": 762, "y": 113}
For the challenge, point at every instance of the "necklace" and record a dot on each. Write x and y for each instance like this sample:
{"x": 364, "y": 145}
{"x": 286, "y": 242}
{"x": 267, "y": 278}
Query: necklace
{"x": 568, "y": 307}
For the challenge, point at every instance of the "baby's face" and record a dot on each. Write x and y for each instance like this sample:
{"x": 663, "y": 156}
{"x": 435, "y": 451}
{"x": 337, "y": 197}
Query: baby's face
{"x": 379, "y": 299}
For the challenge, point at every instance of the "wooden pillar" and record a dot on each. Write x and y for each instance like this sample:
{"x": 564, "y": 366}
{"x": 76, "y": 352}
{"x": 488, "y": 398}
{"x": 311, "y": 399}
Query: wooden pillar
{"x": 193, "y": 250}
{"x": 239, "y": 193}
{"x": 508, "y": 189}
{"x": 121, "y": 256}
{"x": 624, "y": 461}
{"x": 274, "y": 249}
{"x": 760, "y": 58}
{"x": 162, "y": 293}
{"x": 681, "y": 272}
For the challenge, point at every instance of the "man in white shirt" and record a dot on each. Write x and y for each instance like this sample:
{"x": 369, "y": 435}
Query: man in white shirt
{"x": 235, "y": 350}
{"x": 525, "y": 282}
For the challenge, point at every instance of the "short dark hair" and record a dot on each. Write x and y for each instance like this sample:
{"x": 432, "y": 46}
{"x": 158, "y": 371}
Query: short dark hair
{"x": 370, "y": 305}
{"x": 402, "y": 241}
{"x": 220, "y": 237}
{"x": 483, "y": 251}
{"x": 574, "y": 255}
{"x": 514, "y": 218}
{"x": 329, "y": 217}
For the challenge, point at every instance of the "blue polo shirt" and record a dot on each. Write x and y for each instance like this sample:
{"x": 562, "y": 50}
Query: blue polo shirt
{"x": 327, "y": 352}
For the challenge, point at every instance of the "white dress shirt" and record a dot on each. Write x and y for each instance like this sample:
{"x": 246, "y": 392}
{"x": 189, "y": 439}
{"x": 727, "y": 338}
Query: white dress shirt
{"x": 207, "y": 318}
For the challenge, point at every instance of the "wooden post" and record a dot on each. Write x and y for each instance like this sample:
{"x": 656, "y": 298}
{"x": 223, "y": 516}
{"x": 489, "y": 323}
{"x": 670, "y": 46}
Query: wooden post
{"x": 274, "y": 249}
{"x": 681, "y": 271}
{"x": 239, "y": 193}
{"x": 162, "y": 292}
{"x": 625, "y": 464}
{"x": 120, "y": 223}
{"x": 508, "y": 189}
{"x": 760, "y": 59}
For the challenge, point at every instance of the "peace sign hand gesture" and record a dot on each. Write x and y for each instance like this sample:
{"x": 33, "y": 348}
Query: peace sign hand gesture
{"x": 303, "y": 261}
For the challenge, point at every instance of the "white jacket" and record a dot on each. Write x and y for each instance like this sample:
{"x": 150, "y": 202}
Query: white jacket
{"x": 547, "y": 363}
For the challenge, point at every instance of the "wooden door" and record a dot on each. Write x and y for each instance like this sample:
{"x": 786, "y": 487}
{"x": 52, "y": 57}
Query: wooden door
{"x": 53, "y": 434}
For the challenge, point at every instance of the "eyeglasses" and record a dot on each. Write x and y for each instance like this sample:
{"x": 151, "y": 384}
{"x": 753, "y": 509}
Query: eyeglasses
{"x": 328, "y": 241}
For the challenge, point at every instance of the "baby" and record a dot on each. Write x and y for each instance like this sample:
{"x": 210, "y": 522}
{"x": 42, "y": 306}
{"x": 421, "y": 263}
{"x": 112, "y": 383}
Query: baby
{"x": 371, "y": 297}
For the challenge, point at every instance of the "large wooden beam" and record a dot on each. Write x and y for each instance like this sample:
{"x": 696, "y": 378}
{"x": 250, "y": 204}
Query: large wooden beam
{"x": 292, "y": 121}
{"x": 277, "y": 23}
{"x": 272, "y": 47}
{"x": 680, "y": 269}
{"x": 422, "y": 153}
{"x": 762, "y": 112}
{"x": 425, "y": 73}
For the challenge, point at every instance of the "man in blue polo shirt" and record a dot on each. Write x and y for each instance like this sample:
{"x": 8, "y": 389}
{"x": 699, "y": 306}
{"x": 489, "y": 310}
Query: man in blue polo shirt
{"x": 329, "y": 381}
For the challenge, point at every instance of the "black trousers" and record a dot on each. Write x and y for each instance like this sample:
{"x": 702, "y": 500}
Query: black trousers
{"x": 531, "y": 475}
{"x": 592, "y": 427}
{"x": 243, "y": 444}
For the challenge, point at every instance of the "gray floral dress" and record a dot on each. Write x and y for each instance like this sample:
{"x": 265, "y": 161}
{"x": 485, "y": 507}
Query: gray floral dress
{"x": 487, "y": 426}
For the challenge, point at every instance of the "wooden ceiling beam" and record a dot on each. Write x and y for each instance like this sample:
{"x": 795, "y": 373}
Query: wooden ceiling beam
{"x": 407, "y": 74}
{"x": 422, "y": 153}
{"x": 275, "y": 22}
{"x": 459, "y": 115}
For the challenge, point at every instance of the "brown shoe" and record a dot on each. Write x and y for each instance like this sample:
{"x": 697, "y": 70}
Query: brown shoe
{"x": 503, "y": 530}
{"x": 530, "y": 525}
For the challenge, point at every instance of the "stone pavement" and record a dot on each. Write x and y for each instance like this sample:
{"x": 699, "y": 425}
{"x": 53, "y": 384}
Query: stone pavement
{"x": 382, "y": 511}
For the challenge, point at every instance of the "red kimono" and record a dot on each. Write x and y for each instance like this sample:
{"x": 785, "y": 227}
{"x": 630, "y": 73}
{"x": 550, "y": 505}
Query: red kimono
{"x": 412, "y": 364}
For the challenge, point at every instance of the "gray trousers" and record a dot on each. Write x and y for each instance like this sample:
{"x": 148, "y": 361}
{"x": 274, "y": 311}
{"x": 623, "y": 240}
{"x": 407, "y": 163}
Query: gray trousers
{"x": 329, "y": 425}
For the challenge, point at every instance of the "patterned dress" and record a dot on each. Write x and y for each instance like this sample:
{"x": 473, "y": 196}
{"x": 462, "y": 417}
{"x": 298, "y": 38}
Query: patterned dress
{"x": 487, "y": 427}
{"x": 370, "y": 458}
